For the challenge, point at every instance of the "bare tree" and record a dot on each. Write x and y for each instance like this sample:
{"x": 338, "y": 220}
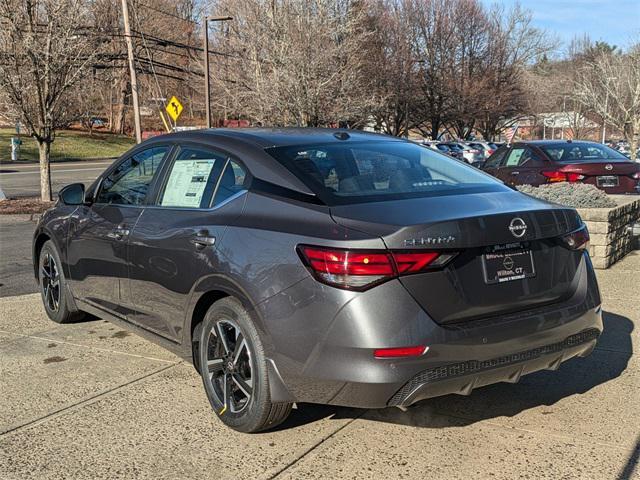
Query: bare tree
{"x": 390, "y": 68}
{"x": 44, "y": 56}
{"x": 609, "y": 85}
{"x": 295, "y": 62}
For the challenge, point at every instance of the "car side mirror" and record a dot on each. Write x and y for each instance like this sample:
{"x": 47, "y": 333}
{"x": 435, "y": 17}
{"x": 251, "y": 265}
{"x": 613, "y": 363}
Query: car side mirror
{"x": 72, "y": 194}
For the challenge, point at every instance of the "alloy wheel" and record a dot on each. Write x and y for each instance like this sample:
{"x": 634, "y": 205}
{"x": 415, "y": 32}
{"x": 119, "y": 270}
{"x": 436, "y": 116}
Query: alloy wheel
{"x": 229, "y": 366}
{"x": 50, "y": 282}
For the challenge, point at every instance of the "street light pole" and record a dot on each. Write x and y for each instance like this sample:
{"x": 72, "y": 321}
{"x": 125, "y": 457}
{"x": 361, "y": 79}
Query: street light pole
{"x": 207, "y": 83}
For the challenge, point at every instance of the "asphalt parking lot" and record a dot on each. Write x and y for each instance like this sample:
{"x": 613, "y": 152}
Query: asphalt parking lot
{"x": 91, "y": 400}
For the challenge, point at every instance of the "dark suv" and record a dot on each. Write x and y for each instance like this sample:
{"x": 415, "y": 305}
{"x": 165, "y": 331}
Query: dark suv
{"x": 326, "y": 266}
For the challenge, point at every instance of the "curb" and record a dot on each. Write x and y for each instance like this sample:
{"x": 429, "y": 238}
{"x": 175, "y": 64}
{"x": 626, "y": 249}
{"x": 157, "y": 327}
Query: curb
{"x": 57, "y": 160}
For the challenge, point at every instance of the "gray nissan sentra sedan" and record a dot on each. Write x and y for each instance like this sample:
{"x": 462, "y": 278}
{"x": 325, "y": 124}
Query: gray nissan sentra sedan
{"x": 324, "y": 266}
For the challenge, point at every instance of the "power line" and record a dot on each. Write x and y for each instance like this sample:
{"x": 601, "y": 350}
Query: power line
{"x": 164, "y": 12}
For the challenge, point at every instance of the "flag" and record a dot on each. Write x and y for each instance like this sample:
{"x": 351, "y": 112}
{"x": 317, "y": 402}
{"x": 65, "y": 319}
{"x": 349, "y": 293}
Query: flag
{"x": 510, "y": 133}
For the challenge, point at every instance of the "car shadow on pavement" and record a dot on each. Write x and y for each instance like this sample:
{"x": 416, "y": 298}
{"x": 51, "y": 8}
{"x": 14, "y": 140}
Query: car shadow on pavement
{"x": 545, "y": 388}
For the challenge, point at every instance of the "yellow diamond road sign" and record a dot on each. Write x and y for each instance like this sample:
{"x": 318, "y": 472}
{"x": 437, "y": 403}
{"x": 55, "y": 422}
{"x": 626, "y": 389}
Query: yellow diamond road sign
{"x": 174, "y": 108}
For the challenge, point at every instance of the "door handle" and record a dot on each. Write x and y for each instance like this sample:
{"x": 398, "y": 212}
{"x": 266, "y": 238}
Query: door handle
{"x": 120, "y": 233}
{"x": 515, "y": 173}
{"x": 202, "y": 240}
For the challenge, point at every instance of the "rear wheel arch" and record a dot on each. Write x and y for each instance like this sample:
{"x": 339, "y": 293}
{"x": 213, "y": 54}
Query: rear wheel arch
{"x": 216, "y": 289}
{"x": 41, "y": 239}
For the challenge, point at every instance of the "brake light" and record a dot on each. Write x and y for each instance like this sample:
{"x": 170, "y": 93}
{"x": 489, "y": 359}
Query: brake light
{"x": 555, "y": 176}
{"x": 578, "y": 239}
{"x": 362, "y": 269}
{"x": 400, "y": 352}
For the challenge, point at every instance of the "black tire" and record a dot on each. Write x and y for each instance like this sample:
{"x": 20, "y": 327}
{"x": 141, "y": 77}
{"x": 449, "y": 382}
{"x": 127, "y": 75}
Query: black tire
{"x": 247, "y": 407}
{"x": 53, "y": 287}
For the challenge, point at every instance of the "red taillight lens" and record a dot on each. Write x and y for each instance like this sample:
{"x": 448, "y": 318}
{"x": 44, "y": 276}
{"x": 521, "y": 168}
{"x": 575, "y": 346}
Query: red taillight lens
{"x": 413, "y": 262}
{"x": 400, "y": 352}
{"x": 555, "y": 176}
{"x": 578, "y": 239}
{"x": 361, "y": 269}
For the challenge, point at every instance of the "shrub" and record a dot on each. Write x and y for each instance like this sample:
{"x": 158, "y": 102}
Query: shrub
{"x": 576, "y": 195}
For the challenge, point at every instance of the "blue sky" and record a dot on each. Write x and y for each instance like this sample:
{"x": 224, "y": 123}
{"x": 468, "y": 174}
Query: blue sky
{"x": 614, "y": 21}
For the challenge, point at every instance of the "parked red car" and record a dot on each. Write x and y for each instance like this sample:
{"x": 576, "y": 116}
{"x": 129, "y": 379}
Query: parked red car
{"x": 541, "y": 162}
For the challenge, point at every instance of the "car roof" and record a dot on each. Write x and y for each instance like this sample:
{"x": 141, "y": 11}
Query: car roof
{"x": 249, "y": 144}
{"x": 279, "y": 137}
{"x": 542, "y": 143}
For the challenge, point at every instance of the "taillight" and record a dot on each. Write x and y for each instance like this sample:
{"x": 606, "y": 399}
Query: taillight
{"x": 362, "y": 269}
{"x": 400, "y": 352}
{"x": 555, "y": 176}
{"x": 577, "y": 240}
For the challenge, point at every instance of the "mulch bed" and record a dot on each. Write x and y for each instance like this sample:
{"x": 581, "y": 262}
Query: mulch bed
{"x": 23, "y": 205}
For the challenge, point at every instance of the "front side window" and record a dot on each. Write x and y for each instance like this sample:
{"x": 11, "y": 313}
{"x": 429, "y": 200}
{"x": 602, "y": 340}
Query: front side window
{"x": 192, "y": 179}
{"x": 519, "y": 156}
{"x": 344, "y": 173}
{"x": 129, "y": 183}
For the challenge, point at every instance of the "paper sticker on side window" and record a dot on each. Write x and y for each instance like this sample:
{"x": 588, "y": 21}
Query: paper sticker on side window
{"x": 187, "y": 183}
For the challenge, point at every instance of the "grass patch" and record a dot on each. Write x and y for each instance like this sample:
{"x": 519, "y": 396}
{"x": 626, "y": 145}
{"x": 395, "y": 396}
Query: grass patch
{"x": 68, "y": 144}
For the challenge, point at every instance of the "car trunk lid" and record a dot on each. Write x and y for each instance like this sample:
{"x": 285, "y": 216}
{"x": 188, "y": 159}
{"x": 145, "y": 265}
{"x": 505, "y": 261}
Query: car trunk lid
{"x": 610, "y": 176}
{"x": 474, "y": 225}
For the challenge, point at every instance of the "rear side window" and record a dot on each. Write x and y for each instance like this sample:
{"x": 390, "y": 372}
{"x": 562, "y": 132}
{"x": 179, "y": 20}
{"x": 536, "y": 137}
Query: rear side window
{"x": 581, "y": 152}
{"x": 192, "y": 179}
{"x": 352, "y": 172}
{"x": 129, "y": 183}
{"x": 231, "y": 182}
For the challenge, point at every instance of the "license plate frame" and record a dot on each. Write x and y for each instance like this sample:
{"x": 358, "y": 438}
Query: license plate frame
{"x": 607, "y": 181}
{"x": 507, "y": 265}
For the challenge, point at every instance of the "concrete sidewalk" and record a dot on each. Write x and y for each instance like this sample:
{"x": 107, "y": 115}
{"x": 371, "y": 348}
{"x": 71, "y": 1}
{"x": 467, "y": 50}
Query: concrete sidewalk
{"x": 92, "y": 401}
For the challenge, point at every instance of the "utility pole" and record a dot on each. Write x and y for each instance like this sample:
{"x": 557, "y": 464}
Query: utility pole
{"x": 132, "y": 71}
{"x": 604, "y": 117}
{"x": 207, "y": 83}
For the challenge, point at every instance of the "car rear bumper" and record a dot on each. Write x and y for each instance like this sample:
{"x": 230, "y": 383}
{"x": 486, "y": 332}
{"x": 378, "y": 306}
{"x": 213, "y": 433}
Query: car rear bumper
{"x": 339, "y": 367}
{"x": 463, "y": 377}
{"x": 469, "y": 359}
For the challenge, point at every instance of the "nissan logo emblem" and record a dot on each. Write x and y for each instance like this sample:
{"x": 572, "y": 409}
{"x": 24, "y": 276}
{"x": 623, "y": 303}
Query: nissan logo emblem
{"x": 517, "y": 227}
{"x": 608, "y": 166}
{"x": 508, "y": 263}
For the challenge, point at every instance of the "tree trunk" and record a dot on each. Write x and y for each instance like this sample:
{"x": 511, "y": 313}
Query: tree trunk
{"x": 44, "y": 149}
{"x": 121, "y": 109}
{"x": 630, "y": 135}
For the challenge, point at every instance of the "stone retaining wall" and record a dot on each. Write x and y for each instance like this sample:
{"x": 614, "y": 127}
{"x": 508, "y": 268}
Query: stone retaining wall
{"x": 610, "y": 240}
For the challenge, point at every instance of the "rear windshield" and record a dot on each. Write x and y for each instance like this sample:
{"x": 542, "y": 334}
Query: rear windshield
{"x": 582, "y": 152}
{"x": 355, "y": 172}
